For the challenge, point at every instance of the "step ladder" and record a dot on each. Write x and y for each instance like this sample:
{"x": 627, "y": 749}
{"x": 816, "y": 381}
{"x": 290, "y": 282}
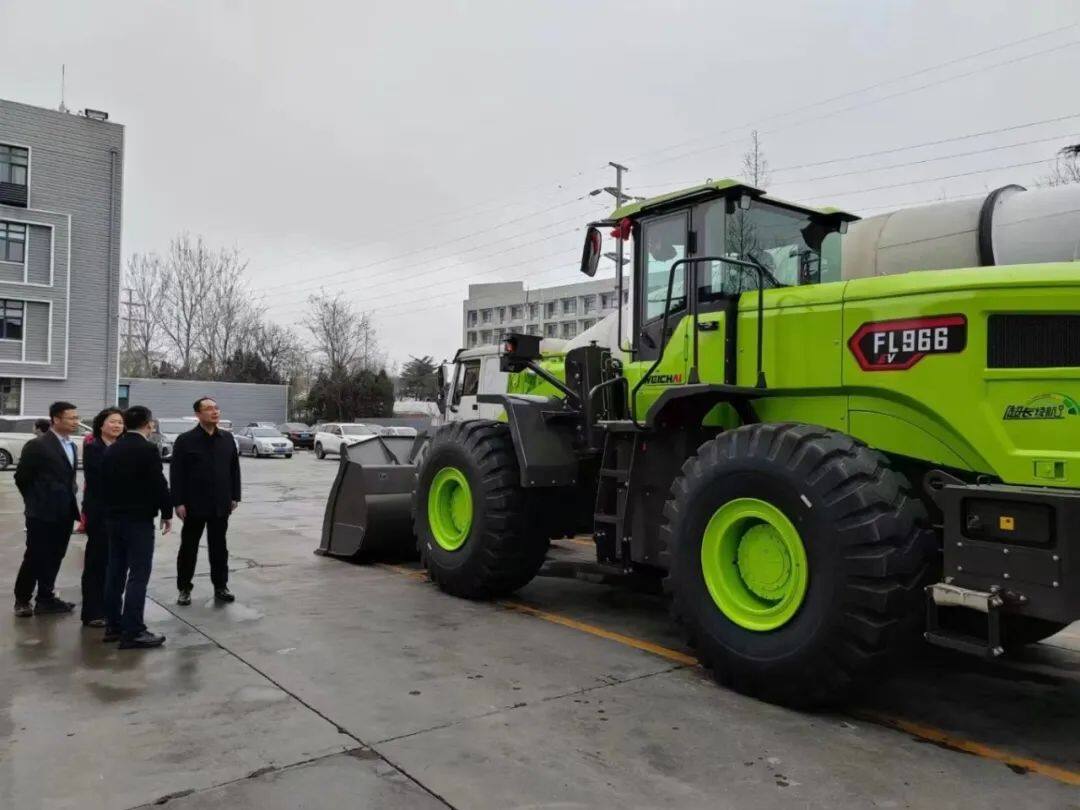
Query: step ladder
{"x": 611, "y": 514}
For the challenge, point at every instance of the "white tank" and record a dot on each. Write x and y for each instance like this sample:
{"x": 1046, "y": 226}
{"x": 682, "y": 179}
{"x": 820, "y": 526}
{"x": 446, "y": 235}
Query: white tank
{"x": 1008, "y": 226}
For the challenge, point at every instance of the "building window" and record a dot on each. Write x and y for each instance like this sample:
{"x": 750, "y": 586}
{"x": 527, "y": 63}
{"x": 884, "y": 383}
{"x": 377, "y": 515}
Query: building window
{"x": 607, "y": 300}
{"x": 485, "y": 336}
{"x": 12, "y": 242}
{"x": 550, "y": 309}
{"x": 485, "y": 316}
{"x": 123, "y": 395}
{"x": 516, "y": 312}
{"x": 10, "y": 396}
{"x": 14, "y": 172}
{"x": 11, "y": 319}
{"x": 569, "y": 329}
{"x": 588, "y": 323}
{"x": 588, "y": 303}
{"x": 14, "y": 164}
{"x": 551, "y": 330}
{"x": 472, "y": 317}
{"x": 532, "y": 329}
{"x": 471, "y": 340}
{"x": 569, "y": 306}
{"x": 534, "y": 311}
{"x": 502, "y": 314}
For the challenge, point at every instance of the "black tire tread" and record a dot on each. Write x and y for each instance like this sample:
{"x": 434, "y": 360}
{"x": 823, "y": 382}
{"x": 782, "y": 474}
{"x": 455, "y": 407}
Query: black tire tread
{"x": 511, "y": 552}
{"x": 887, "y": 552}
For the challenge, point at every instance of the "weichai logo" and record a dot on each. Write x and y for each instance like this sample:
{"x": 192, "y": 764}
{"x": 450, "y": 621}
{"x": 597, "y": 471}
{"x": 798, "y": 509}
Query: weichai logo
{"x": 663, "y": 379}
{"x": 898, "y": 345}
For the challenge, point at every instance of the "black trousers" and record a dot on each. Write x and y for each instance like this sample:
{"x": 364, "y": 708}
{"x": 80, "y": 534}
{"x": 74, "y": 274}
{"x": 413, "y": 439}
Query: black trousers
{"x": 95, "y": 563}
{"x": 131, "y": 557}
{"x": 46, "y": 545}
{"x": 215, "y": 527}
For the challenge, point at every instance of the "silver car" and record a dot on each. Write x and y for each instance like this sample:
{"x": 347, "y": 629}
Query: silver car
{"x": 262, "y": 441}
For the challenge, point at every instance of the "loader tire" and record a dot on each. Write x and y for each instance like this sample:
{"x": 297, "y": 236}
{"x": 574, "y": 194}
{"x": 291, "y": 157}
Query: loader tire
{"x": 471, "y": 516}
{"x": 798, "y": 560}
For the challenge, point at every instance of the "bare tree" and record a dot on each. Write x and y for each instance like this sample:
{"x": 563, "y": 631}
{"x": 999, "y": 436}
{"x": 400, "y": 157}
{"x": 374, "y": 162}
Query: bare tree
{"x": 142, "y": 323}
{"x": 755, "y": 167}
{"x": 1066, "y": 167}
{"x": 342, "y": 334}
{"x": 229, "y": 317}
{"x": 279, "y": 349}
{"x": 188, "y": 279}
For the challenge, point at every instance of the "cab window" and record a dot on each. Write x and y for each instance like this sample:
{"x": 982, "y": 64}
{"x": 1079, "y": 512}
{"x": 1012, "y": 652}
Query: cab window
{"x": 663, "y": 243}
{"x": 468, "y": 380}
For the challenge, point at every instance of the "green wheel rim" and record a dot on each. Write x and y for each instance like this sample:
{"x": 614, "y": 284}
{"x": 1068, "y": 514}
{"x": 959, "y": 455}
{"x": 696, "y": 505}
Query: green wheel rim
{"x": 450, "y": 509}
{"x": 754, "y": 564}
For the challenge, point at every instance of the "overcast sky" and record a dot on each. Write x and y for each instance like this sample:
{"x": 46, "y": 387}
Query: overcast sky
{"x": 397, "y": 151}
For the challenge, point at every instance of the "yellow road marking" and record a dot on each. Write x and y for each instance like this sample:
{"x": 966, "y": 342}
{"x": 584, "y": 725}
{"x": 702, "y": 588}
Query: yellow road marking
{"x": 927, "y": 733}
{"x": 936, "y": 735}
{"x": 593, "y": 630}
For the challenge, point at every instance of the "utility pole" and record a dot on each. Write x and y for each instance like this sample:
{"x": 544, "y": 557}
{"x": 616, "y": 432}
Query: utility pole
{"x": 129, "y": 305}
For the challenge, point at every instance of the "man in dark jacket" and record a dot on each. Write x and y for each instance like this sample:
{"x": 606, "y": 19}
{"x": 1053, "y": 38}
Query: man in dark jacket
{"x": 135, "y": 494}
{"x": 205, "y": 477}
{"x": 46, "y": 479}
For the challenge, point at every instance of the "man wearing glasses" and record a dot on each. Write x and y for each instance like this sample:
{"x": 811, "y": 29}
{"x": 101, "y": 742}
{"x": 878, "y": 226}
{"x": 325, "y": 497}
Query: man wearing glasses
{"x": 205, "y": 479}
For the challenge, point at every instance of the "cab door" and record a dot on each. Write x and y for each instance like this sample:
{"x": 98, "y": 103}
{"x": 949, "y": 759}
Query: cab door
{"x": 463, "y": 404}
{"x": 492, "y": 381}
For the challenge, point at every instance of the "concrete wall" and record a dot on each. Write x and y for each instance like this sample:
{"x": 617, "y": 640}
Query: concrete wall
{"x": 239, "y": 402}
{"x": 74, "y": 213}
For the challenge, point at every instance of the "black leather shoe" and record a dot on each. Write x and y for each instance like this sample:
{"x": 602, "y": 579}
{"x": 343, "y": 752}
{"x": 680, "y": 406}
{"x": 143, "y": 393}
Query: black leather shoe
{"x": 111, "y": 635}
{"x": 184, "y": 598}
{"x": 23, "y": 609}
{"x": 143, "y": 641}
{"x": 53, "y": 605}
{"x": 224, "y": 595}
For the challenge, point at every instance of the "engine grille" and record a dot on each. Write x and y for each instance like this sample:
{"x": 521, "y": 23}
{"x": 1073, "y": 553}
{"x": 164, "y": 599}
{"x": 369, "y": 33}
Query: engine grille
{"x": 1033, "y": 341}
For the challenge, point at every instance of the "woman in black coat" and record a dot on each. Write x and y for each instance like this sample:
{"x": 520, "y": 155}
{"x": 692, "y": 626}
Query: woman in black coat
{"x": 108, "y": 425}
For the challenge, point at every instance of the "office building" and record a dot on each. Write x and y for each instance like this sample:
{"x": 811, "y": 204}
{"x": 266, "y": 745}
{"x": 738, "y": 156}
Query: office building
{"x": 60, "y": 188}
{"x": 565, "y": 311}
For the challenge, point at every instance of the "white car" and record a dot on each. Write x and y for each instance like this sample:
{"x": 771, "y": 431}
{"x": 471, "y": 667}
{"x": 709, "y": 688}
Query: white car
{"x": 262, "y": 441}
{"x": 15, "y": 431}
{"x": 332, "y": 437}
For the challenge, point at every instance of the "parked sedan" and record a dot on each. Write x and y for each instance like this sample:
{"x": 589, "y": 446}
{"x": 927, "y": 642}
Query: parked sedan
{"x": 18, "y": 430}
{"x": 299, "y": 434}
{"x": 262, "y": 441}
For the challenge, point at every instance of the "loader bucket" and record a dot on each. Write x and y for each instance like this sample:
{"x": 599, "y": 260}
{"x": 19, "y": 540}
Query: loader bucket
{"x": 368, "y": 513}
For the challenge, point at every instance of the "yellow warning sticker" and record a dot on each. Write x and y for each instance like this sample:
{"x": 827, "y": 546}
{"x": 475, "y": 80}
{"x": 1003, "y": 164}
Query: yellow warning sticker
{"x": 1007, "y": 523}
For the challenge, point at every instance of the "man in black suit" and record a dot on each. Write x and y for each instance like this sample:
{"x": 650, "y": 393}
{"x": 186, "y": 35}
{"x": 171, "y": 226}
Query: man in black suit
{"x": 205, "y": 477}
{"x": 135, "y": 494}
{"x": 46, "y": 479}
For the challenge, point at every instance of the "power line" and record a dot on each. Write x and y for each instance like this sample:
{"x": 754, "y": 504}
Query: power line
{"x": 952, "y": 156}
{"x": 853, "y": 192}
{"x": 889, "y": 151}
{"x": 435, "y": 245}
{"x": 871, "y": 102}
{"x": 866, "y": 89}
{"x": 363, "y": 284}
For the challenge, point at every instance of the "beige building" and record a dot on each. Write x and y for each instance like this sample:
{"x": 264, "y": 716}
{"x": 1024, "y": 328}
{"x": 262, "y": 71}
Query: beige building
{"x": 565, "y": 311}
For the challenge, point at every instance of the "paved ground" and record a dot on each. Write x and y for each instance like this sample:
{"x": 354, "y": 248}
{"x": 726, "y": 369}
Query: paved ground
{"x": 334, "y": 685}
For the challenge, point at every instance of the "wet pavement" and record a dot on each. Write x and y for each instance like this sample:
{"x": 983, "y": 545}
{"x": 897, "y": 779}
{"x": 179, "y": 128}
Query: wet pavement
{"x": 332, "y": 685}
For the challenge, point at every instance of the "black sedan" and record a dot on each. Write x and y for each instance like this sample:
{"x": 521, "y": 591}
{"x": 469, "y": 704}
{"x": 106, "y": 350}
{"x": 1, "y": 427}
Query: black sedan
{"x": 300, "y": 434}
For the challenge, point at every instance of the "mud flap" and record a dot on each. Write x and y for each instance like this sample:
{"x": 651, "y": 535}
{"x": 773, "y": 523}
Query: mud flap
{"x": 368, "y": 513}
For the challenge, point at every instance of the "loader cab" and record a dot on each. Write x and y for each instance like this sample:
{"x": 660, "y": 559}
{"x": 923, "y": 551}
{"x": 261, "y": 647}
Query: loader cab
{"x": 475, "y": 371}
{"x": 794, "y": 245}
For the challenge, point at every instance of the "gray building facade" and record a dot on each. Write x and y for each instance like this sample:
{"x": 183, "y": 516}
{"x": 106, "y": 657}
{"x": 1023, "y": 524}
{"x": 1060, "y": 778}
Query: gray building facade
{"x": 239, "y": 402}
{"x": 61, "y": 177}
{"x": 564, "y": 311}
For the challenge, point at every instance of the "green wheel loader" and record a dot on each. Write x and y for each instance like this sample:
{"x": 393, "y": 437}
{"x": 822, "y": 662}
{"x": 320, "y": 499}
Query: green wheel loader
{"x": 827, "y": 437}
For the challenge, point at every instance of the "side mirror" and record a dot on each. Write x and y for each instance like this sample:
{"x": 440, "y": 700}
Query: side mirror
{"x": 590, "y": 254}
{"x": 440, "y": 393}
